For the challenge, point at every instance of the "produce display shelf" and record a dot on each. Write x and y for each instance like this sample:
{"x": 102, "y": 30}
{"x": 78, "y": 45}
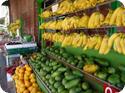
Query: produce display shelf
{"x": 41, "y": 83}
{"x": 92, "y": 31}
{"x": 79, "y": 11}
{"x": 88, "y": 77}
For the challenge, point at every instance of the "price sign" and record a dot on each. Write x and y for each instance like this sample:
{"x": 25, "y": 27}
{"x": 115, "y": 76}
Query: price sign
{"x": 109, "y": 89}
{"x": 55, "y": 7}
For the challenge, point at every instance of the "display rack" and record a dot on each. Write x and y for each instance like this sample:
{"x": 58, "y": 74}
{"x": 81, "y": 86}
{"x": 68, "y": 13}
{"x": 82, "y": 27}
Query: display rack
{"x": 109, "y": 30}
{"x": 87, "y": 76}
{"x": 104, "y": 30}
{"x": 108, "y": 2}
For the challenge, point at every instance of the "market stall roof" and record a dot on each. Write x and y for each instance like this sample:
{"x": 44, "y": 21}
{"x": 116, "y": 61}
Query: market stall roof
{"x": 5, "y": 3}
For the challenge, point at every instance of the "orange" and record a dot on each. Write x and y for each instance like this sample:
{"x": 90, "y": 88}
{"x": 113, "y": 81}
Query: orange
{"x": 34, "y": 90}
{"x": 28, "y": 69}
{"x": 16, "y": 77}
{"x": 27, "y": 83}
{"x": 26, "y": 77}
{"x": 28, "y": 73}
{"x": 32, "y": 76}
{"x": 33, "y": 80}
{"x": 26, "y": 91}
{"x": 22, "y": 70}
{"x": 39, "y": 92}
{"x": 21, "y": 75}
{"x": 35, "y": 85}
{"x": 30, "y": 88}
{"x": 16, "y": 72}
{"x": 22, "y": 89}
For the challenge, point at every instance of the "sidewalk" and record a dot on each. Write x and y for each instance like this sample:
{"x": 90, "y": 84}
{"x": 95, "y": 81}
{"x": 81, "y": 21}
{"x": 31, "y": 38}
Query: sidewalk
{"x": 3, "y": 77}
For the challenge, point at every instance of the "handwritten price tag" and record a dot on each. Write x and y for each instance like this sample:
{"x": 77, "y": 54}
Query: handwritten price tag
{"x": 109, "y": 89}
{"x": 55, "y": 7}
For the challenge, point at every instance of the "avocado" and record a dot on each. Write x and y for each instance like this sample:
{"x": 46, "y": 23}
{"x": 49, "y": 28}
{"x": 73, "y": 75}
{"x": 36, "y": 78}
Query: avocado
{"x": 85, "y": 86}
{"x": 102, "y": 75}
{"x": 114, "y": 79}
{"x": 122, "y": 68}
{"x": 111, "y": 70}
{"x": 123, "y": 77}
{"x": 88, "y": 91}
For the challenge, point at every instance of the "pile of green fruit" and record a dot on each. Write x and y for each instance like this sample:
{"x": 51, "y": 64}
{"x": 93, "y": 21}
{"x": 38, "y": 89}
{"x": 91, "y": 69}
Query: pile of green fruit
{"x": 98, "y": 67}
{"x": 59, "y": 78}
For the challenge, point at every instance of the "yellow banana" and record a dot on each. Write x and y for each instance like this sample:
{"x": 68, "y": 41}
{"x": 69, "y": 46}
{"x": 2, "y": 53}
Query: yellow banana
{"x": 122, "y": 44}
{"x": 111, "y": 39}
{"x": 91, "y": 20}
{"x": 114, "y": 16}
{"x": 119, "y": 17}
{"x": 118, "y": 47}
{"x": 104, "y": 45}
{"x": 96, "y": 20}
{"x": 98, "y": 43}
{"x": 80, "y": 42}
{"x": 84, "y": 40}
{"x": 123, "y": 18}
{"x": 101, "y": 19}
{"x": 87, "y": 44}
{"x": 107, "y": 19}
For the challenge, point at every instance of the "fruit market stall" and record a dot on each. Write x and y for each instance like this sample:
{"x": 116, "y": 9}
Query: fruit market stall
{"x": 83, "y": 38}
{"x": 82, "y": 48}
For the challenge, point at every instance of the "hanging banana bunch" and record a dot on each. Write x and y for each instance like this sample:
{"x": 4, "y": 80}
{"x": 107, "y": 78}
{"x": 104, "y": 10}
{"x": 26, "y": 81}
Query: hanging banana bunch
{"x": 99, "y": 43}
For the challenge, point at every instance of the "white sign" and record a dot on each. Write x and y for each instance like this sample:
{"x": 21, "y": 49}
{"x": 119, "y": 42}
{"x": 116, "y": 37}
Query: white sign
{"x": 108, "y": 89}
{"x": 55, "y": 7}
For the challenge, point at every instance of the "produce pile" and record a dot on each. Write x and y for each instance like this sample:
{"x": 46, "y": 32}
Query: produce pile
{"x": 25, "y": 80}
{"x": 96, "y": 42}
{"x": 98, "y": 67}
{"x": 69, "y": 6}
{"x": 14, "y": 26}
{"x": 96, "y": 20}
{"x": 59, "y": 78}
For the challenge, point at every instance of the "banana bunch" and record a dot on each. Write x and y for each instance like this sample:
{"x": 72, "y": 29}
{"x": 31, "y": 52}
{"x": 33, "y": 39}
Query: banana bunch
{"x": 46, "y": 14}
{"x": 65, "y": 7}
{"x": 91, "y": 42}
{"x": 108, "y": 17}
{"x": 117, "y": 42}
{"x": 49, "y": 25}
{"x": 83, "y": 21}
{"x": 67, "y": 41}
{"x": 118, "y": 17}
{"x": 66, "y": 24}
{"x": 69, "y": 23}
{"x": 104, "y": 49}
{"x": 96, "y": 20}
{"x": 14, "y": 26}
{"x": 96, "y": 42}
{"x": 79, "y": 4}
{"x": 48, "y": 36}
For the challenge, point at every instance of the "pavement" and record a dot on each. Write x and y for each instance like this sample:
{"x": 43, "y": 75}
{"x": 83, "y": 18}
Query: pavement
{"x": 5, "y": 80}
{"x": 3, "y": 77}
